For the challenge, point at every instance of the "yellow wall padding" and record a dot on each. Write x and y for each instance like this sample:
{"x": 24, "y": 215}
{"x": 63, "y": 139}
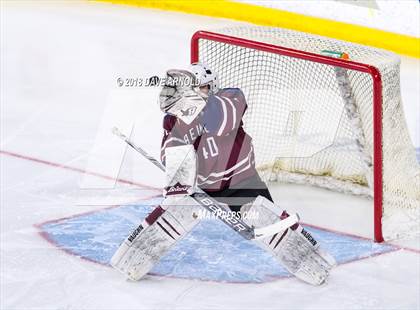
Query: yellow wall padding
{"x": 399, "y": 43}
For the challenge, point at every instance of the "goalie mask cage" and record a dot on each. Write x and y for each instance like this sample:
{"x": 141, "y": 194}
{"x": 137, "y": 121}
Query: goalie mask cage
{"x": 320, "y": 120}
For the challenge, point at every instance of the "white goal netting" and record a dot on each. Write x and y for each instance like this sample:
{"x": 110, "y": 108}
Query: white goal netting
{"x": 313, "y": 123}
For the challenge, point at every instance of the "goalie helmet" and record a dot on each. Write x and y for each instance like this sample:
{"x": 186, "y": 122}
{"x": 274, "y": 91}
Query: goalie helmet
{"x": 205, "y": 76}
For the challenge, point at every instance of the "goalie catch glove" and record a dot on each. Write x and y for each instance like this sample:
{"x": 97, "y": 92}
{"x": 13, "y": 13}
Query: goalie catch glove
{"x": 295, "y": 248}
{"x": 178, "y": 96}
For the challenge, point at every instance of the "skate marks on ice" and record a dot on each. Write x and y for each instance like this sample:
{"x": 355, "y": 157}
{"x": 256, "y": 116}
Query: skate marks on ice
{"x": 211, "y": 251}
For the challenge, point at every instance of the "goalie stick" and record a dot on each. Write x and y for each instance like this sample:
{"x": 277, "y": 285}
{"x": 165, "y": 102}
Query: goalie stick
{"x": 211, "y": 205}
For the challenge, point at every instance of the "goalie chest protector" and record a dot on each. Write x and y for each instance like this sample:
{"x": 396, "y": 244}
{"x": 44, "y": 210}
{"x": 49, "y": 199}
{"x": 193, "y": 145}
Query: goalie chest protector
{"x": 224, "y": 150}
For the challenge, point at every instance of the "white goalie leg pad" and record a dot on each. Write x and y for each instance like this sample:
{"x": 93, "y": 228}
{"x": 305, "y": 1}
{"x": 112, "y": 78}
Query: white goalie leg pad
{"x": 155, "y": 236}
{"x": 295, "y": 248}
{"x": 301, "y": 259}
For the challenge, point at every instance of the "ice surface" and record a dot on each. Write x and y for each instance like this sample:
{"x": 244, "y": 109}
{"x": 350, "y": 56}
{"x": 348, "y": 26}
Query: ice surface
{"x": 59, "y": 65}
{"x": 211, "y": 251}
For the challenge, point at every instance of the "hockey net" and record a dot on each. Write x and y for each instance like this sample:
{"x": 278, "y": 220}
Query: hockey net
{"x": 321, "y": 120}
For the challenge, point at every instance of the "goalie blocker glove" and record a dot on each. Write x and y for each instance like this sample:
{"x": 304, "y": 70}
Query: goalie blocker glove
{"x": 181, "y": 170}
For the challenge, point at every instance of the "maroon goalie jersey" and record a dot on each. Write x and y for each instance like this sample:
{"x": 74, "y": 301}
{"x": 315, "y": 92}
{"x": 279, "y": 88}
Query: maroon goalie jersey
{"x": 224, "y": 150}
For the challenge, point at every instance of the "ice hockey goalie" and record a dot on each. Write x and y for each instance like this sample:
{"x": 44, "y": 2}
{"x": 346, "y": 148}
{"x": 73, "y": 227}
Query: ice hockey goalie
{"x": 205, "y": 146}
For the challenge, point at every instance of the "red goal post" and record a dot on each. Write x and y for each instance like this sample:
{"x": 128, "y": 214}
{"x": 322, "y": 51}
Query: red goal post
{"x": 336, "y": 62}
